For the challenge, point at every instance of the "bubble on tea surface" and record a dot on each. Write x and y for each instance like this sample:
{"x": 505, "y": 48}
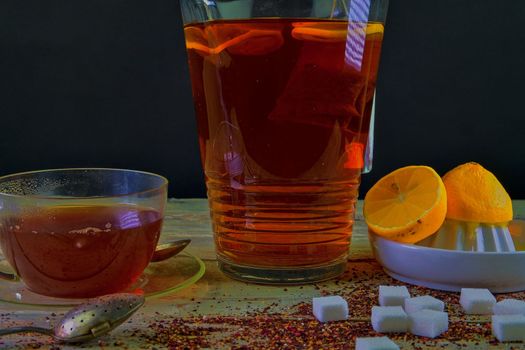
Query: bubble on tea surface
{"x": 81, "y": 243}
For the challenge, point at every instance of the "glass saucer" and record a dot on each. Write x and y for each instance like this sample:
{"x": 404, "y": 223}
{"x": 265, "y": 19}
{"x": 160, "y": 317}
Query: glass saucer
{"x": 158, "y": 279}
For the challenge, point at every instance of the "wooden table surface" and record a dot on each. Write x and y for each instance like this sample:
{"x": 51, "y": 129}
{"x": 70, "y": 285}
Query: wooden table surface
{"x": 218, "y": 312}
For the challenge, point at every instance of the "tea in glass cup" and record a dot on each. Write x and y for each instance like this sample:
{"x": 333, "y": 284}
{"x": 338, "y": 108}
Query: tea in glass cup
{"x": 80, "y": 233}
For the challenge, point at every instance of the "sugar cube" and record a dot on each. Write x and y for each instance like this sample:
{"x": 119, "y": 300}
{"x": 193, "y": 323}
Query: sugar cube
{"x": 477, "y": 301}
{"x": 332, "y": 308}
{"x": 375, "y": 343}
{"x": 509, "y": 307}
{"x": 428, "y": 323}
{"x": 425, "y": 302}
{"x": 508, "y": 327}
{"x": 393, "y": 295}
{"x": 389, "y": 319}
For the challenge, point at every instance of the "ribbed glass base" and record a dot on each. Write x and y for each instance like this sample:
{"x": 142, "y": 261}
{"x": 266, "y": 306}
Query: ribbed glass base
{"x": 282, "y": 276}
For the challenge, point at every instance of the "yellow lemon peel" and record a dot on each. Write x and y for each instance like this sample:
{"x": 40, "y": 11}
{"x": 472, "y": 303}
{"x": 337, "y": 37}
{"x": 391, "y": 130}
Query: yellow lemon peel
{"x": 476, "y": 195}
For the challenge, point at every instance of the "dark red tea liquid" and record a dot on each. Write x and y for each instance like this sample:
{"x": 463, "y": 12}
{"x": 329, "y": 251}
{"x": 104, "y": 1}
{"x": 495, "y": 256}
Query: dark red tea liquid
{"x": 283, "y": 119}
{"x": 80, "y": 251}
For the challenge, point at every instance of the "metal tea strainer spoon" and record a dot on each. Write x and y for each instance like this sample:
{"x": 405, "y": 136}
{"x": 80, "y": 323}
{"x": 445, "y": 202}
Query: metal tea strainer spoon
{"x": 90, "y": 320}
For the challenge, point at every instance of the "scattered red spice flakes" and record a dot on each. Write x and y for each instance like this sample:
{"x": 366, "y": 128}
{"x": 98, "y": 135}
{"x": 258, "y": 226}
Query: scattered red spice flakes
{"x": 271, "y": 331}
{"x": 182, "y": 333}
{"x": 297, "y": 328}
{"x": 278, "y": 331}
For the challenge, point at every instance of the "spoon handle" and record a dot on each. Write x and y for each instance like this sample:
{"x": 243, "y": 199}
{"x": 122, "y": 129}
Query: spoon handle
{"x": 30, "y": 329}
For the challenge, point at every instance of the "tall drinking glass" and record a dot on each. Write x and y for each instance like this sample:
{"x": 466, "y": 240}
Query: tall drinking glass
{"x": 283, "y": 93}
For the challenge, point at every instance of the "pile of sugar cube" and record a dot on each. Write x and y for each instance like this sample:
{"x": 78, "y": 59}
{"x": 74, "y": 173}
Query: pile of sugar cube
{"x": 508, "y": 316}
{"x": 398, "y": 312}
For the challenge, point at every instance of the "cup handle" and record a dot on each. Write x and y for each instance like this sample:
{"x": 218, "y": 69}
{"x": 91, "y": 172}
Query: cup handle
{"x": 8, "y": 276}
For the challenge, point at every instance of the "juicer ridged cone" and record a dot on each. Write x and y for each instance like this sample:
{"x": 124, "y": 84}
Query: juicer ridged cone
{"x": 471, "y": 236}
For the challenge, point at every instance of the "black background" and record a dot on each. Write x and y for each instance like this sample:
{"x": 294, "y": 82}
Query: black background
{"x": 105, "y": 83}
